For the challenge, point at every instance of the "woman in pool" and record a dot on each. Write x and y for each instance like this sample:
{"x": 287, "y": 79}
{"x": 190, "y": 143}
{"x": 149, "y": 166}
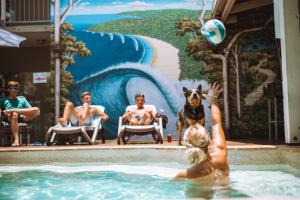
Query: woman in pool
{"x": 208, "y": 158}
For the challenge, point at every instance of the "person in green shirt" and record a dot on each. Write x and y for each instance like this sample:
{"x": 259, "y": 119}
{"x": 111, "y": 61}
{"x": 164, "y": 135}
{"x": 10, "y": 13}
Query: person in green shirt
{"x": 16, "y": 109}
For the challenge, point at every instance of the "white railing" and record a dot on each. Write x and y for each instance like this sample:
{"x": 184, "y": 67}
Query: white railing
{"x": 25, "y": 12}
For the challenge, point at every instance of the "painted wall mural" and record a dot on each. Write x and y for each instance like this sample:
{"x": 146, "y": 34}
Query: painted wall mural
{"x": 134, "y": 48}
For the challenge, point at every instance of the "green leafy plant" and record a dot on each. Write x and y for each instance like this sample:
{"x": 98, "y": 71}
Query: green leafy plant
{"x": 68, "y": 49}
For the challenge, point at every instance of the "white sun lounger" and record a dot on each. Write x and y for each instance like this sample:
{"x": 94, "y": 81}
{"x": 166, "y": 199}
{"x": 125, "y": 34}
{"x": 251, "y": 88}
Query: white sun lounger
{"x": 95, "y": 127}
{"x": 125, "y": 131}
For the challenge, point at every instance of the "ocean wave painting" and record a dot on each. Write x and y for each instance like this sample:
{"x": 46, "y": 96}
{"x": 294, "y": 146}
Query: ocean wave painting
{"x": 127, "y": 58}
{"x": 115, "y": 87}
{"x": 109, "y": 49}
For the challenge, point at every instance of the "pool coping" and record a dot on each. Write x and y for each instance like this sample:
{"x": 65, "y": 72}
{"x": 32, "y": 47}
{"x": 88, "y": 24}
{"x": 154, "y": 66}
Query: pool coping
{"x": 124, "y": 147}
{"x": 238, "y": 153}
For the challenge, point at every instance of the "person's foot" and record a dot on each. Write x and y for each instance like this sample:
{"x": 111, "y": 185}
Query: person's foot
{"x": 62, "y": 122}
{"x": 15, "y": 144}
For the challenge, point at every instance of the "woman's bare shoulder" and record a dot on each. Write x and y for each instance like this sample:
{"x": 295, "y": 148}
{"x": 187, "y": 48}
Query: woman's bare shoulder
{"x": 181, "y": 174}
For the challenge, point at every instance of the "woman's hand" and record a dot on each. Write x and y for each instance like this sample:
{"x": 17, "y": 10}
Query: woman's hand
{"x": 213, "y": 92}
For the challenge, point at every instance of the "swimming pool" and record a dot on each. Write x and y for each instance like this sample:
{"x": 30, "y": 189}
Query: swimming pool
{"x": 142, "y": 181}
{"x": 142, "y": 172}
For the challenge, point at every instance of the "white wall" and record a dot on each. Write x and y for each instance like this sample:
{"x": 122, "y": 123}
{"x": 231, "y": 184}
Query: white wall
{"x": 290, "y": 44}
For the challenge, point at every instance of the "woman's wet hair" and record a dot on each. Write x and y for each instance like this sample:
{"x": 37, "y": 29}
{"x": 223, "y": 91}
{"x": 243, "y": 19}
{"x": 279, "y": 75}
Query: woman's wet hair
{"x": 196, "y": 138}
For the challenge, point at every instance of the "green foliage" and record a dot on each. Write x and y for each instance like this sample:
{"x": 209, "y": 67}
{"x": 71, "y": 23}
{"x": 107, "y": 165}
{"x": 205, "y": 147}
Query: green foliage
{"x": 187, "y": 25}
{"x": 252, "y": 123}
{"x": 159, "y": 24}
{"x": 254, "y": 119}
{"x": 70, "y": 47}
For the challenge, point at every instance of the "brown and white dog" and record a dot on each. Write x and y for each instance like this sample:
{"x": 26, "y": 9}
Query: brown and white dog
{"x": 192, "y": 112}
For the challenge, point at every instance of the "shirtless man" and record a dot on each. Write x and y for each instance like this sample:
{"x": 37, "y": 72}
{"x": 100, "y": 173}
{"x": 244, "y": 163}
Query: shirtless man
{"x": 16, "y": 109}
{"x": 81, "y": 115}
{"x": 139, "y": 116}
{"x": 208, "y": 158}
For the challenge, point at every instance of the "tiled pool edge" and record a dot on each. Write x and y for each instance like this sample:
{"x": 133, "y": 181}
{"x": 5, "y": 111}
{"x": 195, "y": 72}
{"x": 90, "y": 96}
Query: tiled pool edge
{"x": 290, "y": 157}
{"x": 259, "y": 154}
{"x": 114, "y": 147}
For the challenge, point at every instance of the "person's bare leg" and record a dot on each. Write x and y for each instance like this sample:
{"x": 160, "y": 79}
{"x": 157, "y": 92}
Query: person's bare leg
{"x": 32, "y": 115}
{"x": 133, "y": 121}
{"x": 141, "y": 121}
{"x": 28, "y": 113}
{"x": 146, "y": 119}
{"x": 126, "y": 117}
{"x": 14, "y": 125}
{"x": 84, "y": 114}
{"x": 68, "y": 110}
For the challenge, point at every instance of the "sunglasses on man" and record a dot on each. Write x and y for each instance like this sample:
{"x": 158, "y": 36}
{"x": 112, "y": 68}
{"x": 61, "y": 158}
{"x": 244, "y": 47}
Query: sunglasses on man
{"x": 13, "y": 90}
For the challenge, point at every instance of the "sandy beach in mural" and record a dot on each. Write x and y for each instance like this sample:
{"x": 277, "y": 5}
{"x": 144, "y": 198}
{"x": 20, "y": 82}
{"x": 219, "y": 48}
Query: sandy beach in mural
{"x": 165, "y": 59}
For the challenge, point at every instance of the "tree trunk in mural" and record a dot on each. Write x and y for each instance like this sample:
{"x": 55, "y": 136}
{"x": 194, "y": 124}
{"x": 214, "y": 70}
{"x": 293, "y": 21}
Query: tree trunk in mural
{"x": 236, "y": 52}
{"x": 71, "y": 4}
{"x": 225, "y": 89}
{"x": 202, "y": 51}
{"x": 223, "y": 58}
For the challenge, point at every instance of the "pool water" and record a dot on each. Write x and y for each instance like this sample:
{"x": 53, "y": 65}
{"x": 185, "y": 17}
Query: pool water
{"x": 142, "y": 181}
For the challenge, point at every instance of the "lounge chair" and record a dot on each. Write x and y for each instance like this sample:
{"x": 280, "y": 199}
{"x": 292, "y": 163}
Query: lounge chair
{"x": 25, "y": 129}
{"x": 126, "y": 131}
{"x": 95, "y": 128}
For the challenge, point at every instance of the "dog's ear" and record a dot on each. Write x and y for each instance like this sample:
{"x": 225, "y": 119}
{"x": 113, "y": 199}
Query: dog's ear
{"x": 185, "y": 91}
{"x": 199, "y": 88}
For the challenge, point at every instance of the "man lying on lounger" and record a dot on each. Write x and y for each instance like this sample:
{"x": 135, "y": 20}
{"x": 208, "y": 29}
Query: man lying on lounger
{"x": 140, "y": 115}
{"x": 81, "y": 115}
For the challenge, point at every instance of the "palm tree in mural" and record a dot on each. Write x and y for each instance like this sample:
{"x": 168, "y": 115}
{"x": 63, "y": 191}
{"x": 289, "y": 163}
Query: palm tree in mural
{"x": 71, "y": 4}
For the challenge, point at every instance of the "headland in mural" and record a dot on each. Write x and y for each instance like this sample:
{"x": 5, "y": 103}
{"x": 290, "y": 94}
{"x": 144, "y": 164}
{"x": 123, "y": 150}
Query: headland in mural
{"x": 133, "y": 52}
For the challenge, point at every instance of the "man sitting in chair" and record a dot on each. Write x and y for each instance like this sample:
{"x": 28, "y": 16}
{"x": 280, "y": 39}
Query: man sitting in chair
{"x": 81, "y": 115}
{"x": 141, "y": 115}
{"x": 16, "y": 109}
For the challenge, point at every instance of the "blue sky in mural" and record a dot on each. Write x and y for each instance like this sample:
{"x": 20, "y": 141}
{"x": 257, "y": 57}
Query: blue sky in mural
{"x": 87, "y": 7}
